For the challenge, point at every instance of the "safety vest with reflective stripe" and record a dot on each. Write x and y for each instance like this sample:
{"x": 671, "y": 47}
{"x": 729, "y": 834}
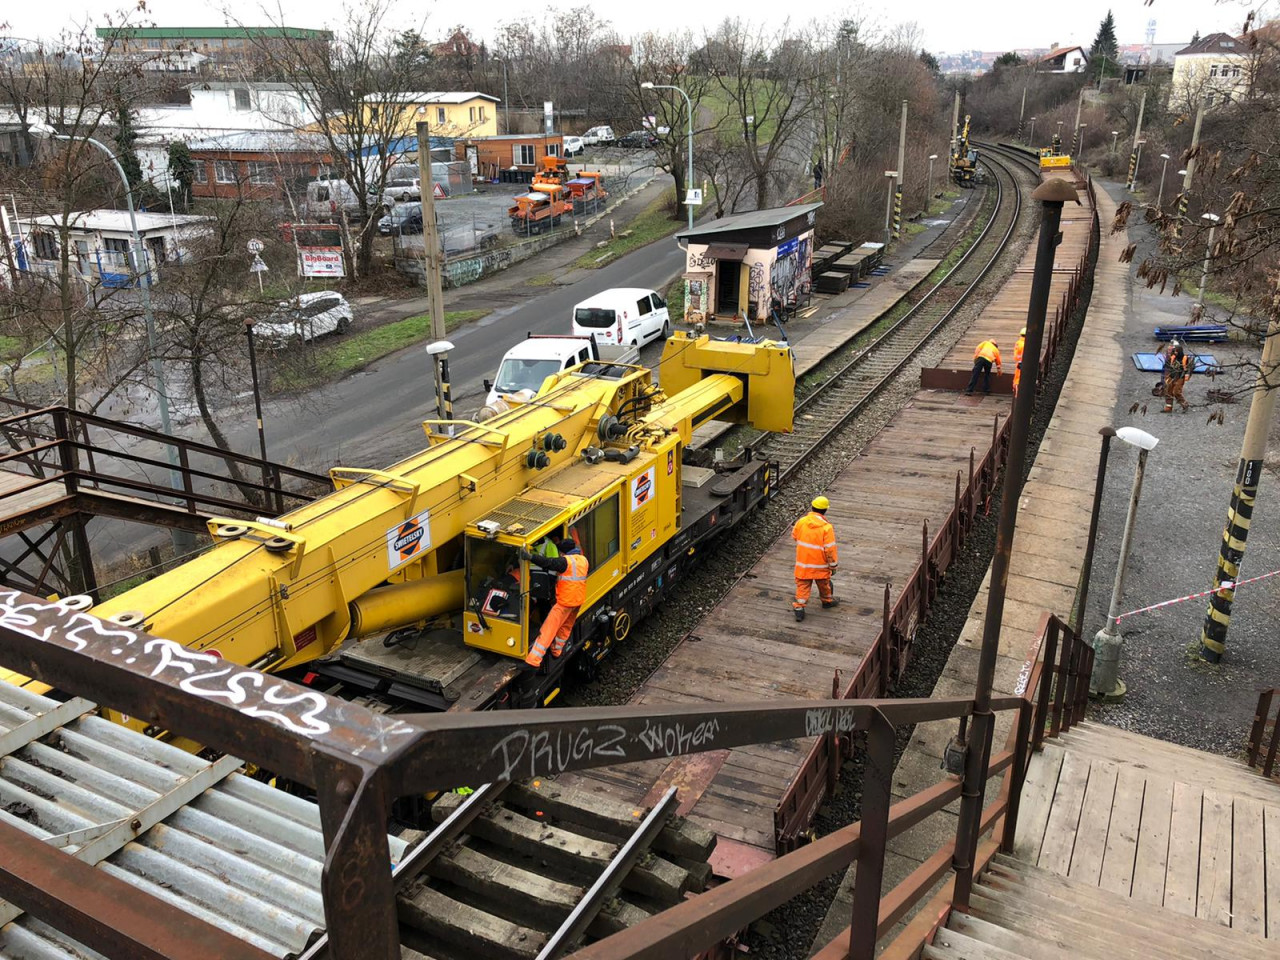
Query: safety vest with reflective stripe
{"x": 1017, "y": 350}
{"x": 815, "y": 547}
{"x": 571, "y": 586}
{"x": 987, "y": 351}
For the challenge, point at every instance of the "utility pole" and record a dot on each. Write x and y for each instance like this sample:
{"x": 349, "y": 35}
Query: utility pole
{"x": 955, "y": 123}
{"x": 1133, "y": 154}
{"x": 1184, "y": 198}
{"x": 430, "y": 236}
{"x": 902, "y": 159}
{"x": 1075, "y": 135}
{"x": 1213, "y": 635}
{"x": 1022, "y": 111}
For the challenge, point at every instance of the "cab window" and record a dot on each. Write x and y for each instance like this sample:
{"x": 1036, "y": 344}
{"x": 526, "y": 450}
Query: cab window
{"x": 642, "y": 305}
{"x": 597, "y": 533}
{"x": 493, "y": 579}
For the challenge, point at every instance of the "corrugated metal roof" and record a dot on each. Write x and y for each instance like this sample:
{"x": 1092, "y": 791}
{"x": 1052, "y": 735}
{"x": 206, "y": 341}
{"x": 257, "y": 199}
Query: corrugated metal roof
{"x": 751, "y": 220}
{"x": 242, "y": 855}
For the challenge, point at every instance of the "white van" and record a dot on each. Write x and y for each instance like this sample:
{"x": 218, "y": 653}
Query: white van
{"x": 526, "y": 365}
{"x": 624, "y": 315}
{"x": 599, "y": 137}
{"x": 329, "y": 200}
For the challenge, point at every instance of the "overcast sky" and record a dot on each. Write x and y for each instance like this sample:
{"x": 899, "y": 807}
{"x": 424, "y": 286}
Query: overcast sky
{"x": 947, "y": 26}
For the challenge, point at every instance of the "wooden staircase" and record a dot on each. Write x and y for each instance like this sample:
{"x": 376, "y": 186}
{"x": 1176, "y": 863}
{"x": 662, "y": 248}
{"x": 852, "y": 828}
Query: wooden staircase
{"x": 1127, "y": 848}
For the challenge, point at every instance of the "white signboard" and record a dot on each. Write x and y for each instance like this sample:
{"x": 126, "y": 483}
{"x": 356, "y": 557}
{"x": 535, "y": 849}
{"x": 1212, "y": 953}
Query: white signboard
{"x": 321, "y": 262}
{"x": 255, "y": 246}
{"x": 693, "y": 197}
{"x": 409, "y": 540}
{"x": 642, "y": 489}
{"x": 548, "y": 116}
{"x": 257, "y": 266}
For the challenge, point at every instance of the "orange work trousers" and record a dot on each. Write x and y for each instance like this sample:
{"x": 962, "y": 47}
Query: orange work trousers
{"x": 804, "y": 586}
{"x": 557, "y": 626}
{"x": 1017, "y": 378}
{"x": 1172, "y": 392}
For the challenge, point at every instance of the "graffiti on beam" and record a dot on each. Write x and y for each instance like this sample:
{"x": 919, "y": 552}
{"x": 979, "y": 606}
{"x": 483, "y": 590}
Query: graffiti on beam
{"x": 64, "y": 624}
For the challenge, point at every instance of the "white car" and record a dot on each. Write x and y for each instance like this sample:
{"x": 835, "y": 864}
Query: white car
{"x": 574, "y": 146}
{"x": 599, "y": 137}
{"x": 629, "y": 316}
{"x": 305, "y": 317}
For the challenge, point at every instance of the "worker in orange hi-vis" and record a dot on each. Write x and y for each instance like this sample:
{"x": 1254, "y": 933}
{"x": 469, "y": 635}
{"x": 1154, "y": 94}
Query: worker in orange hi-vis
{"x": 1017, "y": 358}
{"x": 816, "y": 557}
{"x": 987, "y": 353}
{"x": 571, "y": 593}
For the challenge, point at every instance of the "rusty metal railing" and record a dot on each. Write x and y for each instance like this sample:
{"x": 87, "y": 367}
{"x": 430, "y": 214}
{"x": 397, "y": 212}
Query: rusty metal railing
{"x": 1263, "y": 742}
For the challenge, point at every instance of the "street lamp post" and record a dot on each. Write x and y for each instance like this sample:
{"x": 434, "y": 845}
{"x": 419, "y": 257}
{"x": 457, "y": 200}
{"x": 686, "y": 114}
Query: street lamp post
{"x": 1211, "y": 219}
{"x": 689, "y": 104}
{"x": 257, "y": 405}
{"x": 1115, "y": 135}
{"x": 506, "y": 104}
{"x": 1106, "y": 681}
{"x": 1164, "y": 168}
{"x": 1031, "y": 139}
{"x": 928, "y": 196}
{"x": 1137, "y": 165}
{"x": 439, "y": 353}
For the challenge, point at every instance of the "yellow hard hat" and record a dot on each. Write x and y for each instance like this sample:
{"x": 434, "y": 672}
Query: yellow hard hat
{"x": 821, "y": 503}
{"x": 1022, "y": 332}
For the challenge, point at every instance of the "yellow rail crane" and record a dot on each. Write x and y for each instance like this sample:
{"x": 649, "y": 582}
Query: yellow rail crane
{"x": 1052, "y": 157}
{"x": 389, "y": 587}
{"x": 964, "y": 158}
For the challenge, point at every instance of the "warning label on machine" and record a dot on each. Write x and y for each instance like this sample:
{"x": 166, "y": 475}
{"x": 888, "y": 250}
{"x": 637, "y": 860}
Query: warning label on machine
{"x": 641, "y": 490}
{"x": 408, "y": 539}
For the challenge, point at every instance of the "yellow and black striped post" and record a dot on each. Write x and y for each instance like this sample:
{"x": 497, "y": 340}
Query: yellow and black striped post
{"x": 897, "y": 213}
{"x": 1133, "y": 170}
{"x": 1184, "y": 199}
{"x": 1213, "y": 636}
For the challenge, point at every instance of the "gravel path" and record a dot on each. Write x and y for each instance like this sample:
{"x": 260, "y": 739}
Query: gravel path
{"x": 1172, "y": 694}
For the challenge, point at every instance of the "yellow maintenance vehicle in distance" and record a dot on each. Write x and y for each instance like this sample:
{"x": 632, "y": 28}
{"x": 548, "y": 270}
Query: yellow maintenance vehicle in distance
{"x": 1052, "y": 157}
{"x": 964, "y": 159}
{"x": 404, "y": 586}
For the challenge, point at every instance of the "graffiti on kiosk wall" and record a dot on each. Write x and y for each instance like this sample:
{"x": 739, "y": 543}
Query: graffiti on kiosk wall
{"x": 756, "y": 287}
{"x": 701, "y": 260}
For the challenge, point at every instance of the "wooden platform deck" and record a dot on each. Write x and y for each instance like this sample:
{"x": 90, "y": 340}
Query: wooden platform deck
{"x": 22, "y": 496}
{"x": 749, "y": 647}
{"x": 1162, "y": 824}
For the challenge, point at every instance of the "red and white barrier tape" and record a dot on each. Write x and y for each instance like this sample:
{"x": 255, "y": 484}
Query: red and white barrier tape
{"x": 1225, "y": 585}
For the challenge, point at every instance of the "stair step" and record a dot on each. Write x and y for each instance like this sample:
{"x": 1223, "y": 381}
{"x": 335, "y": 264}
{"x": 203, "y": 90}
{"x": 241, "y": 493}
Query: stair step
{"x": 1014, "y": 942}
{"x": 1141, "y": 747}
{"x": 1129, "y": 932}
{"x": 952, "y": 945}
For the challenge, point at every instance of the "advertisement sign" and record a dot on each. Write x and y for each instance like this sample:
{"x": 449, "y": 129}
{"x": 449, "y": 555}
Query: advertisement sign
{"x": 321, "y": 262}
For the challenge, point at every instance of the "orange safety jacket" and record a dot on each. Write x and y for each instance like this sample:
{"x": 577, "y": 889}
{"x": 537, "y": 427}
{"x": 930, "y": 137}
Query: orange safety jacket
{"x": 988, "y": 351}
{"x": 571, "y": 586}
{"x": 815, "y": 547}
{"x": 1017, "y": 350}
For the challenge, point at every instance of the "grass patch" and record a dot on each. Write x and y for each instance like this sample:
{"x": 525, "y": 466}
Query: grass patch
{"x": 343, "y": 355}
{"x": 653, "y": 223}
{"x": 10, "y": 347}
{"x": 674, "y": 295}
{"x": 724, "y": 108}
{"x": 542, "y": 280}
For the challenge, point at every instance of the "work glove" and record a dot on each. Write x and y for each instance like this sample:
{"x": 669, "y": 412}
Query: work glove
{"x": 833, "y": 567}
{"x": 524, "y": 554}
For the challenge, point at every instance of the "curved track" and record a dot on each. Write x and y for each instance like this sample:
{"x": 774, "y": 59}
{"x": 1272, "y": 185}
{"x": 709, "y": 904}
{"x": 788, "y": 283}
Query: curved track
{"x": 848, "y": 390}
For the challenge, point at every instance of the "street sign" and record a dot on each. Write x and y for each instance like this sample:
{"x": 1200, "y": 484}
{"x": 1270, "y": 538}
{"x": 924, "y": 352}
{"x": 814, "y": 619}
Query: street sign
{"x": 693, "y": 197}
{"x": 437, "y": 191}
{"x": 255, "y": 247}
{"x": 257, "y": 266}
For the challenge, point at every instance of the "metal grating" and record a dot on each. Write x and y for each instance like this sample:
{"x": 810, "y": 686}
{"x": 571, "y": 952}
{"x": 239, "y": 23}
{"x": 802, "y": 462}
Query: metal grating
{"x": 241, "y": 855}
{"x": 530, "y": 513}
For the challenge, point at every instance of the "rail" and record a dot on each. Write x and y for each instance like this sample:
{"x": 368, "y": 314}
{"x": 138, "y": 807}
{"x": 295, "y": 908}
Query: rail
{"x": 121, "y": 468}
{"x": 359, "y": 761}
{"x": 1263, "y": 742}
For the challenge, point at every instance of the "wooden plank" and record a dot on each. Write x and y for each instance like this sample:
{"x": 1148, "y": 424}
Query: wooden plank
{"x": 1064, "y": 817}
{"x": 1271, "y": 836}
{"x": 1182, "y": 875}
{"x": 478, "y": 932}
{"x": 1037, "y": 800}
{"x": 1095, "y": 823}
{"x": 1213, "y": 897}
{"x": 1248, "y": 868}
{"x": 1118, "y": 860}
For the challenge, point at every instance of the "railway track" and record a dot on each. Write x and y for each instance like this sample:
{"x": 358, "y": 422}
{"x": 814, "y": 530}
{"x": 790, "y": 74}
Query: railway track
{"x": 850, "y": 388}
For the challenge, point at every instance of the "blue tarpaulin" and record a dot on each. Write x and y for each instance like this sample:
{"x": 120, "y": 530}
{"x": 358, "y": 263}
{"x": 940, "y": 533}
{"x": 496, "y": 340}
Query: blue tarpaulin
{"x": 1152, "y": 363}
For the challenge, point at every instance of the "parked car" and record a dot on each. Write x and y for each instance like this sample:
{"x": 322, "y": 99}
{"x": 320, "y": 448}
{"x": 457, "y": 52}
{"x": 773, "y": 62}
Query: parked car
{"x": 637, "y": 139}
{"x": 402, "y": 189}
{"x": 329, "y": 200}
{"x": 623, "y": 315}
{"x": 401, "y": 219}
{"x": 599, "y": 137}
{"x": 305, "y": 317}
{"x": 574, "y": 146}
{"x": 526, "y": 365}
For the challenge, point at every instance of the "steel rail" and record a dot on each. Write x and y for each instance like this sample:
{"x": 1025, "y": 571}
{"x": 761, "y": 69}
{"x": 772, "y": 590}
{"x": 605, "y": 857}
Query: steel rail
{"x": 840, "y": 377}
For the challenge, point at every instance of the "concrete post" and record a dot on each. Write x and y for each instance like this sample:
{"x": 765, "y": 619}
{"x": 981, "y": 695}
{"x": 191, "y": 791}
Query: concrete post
{"x": 902, "y": 159}
{"x": 1184, "y": 198}
{"x": 430, "y": 237}
{"x": 1137, "y": 135}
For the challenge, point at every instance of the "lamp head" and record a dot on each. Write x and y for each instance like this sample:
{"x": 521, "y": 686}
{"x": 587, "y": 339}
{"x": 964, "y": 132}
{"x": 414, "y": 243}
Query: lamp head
{"x": 647, "y": 85}
{"x": 439, "y": 347}
{"x": 933, "y": 156}
{"x": 1211, "y": 217}
{"x": 1137, "y": 438}
{"x": 1182, "y": 173}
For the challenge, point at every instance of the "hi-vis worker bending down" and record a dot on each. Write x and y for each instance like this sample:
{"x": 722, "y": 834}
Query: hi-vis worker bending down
{"x": 571, "y": 593}
{"x": 1018, "y": 348}
{"x": 816, "y": 557}
{"x": 987, "y": 353}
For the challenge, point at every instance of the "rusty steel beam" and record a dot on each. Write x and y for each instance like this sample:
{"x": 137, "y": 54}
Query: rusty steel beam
{"x": 102, "y": 911}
